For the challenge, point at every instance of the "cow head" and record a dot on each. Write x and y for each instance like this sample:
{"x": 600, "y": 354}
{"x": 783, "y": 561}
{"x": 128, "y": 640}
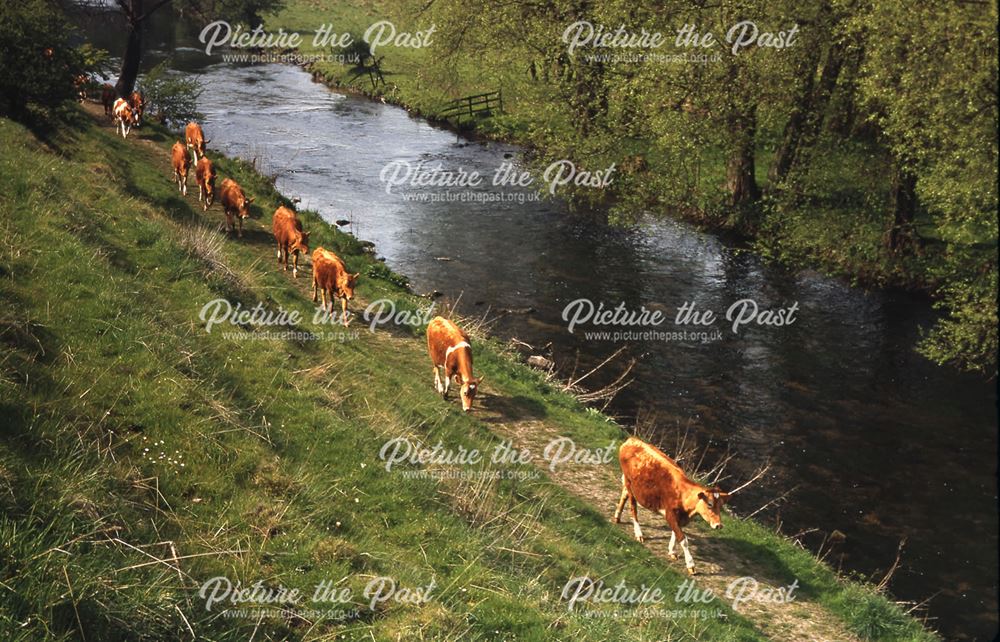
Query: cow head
{"x": 469, "y": 390}
{"x": 346, "y": 285}
{"x": 243, "y": 207}
{"x": 302, "y": 245}
{"x": 710, "y": 503}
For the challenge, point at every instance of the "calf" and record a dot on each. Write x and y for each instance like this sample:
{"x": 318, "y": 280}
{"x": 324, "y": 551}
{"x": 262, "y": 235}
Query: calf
{"x": 204, "y": 174}
{"x": 656, "y": 482}
{"x": 331, "y": 279}
{"x": 235, "y": 204}
{"x": 124, "y": 116}
{"x": 289, "y": 236}
{"x": 138, "y": 104}
{"x": 449, "y": 348}
{"x": 107, "y": 98}
{"x": 182, "y": 164}
{"x": 195, "y": 139}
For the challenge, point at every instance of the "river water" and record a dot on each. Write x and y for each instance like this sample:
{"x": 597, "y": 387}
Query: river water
{"x": 871, "y": 440}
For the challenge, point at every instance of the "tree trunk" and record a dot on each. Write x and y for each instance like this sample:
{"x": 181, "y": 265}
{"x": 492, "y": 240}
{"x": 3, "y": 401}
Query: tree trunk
{"x": 801, "y": 109}
{"x": 902, "y": 237}
{"x": 806, "y": 119}
{"x": 741, "y": 181}
{"x": 133, "y": 54}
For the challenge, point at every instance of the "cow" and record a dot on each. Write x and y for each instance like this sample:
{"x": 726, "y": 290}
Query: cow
{"x": 182, "y": 164}
{"x": 137, "y": 102}
{"x": 449, "y": 348}
{"x": 107, "y": 98}
{"x": 81, "y": 83}
{"x": 331, "y": 279}
{"x": 204, "y": 174}
{"x": 289, "y": 236}
{"x": 234, "y": 203}
{"x": 123, "y": 116}
{"x": 656, "y": 482}
{"x": 195, "y": 139}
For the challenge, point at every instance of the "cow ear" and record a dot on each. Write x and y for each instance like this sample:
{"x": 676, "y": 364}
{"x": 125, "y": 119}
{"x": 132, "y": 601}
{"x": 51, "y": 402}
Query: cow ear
{"x": 355, "y": 275}
{"x": 723, "y": 497}
{"x": 250, "y": 200}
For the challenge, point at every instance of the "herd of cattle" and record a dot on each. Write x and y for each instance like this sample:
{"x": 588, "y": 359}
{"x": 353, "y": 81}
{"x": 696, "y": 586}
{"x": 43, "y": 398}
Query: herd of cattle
{"x": 649, "y": 477}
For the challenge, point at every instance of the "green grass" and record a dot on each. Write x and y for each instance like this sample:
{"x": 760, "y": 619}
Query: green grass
{"x": 141, "y": 455}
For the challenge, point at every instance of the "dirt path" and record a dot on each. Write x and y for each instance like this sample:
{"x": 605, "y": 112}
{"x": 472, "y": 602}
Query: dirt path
{"x": 716, "y": 563}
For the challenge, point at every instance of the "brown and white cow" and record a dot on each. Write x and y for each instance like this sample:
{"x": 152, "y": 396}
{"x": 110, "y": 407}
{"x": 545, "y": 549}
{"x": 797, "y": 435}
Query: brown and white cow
{"x": 80, "y": 83}
{"x": 449, "y": 348}
{"x": 204, "y": 174}
{"x": 138, "y": 104}
{"x": 331, "y": 279}
{"x": 107, "y": 98}
{"x": 289, "y": 236}
{"x": 656, "y": 482}
{"x": 235, "y": 204}
{"x": 195, "y": 139}
{"x": 182, "y": 165}
{"x": 123, "y": 116}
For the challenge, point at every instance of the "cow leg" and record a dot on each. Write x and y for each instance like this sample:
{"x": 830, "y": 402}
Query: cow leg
{"x": 438, "y": 386}
{"x": 343, "y": 306}
{"x": 279, "y": 254}
{"x": 315, "y": 286}
{"x": 184, "y": 184}
{"x": 447, "y": 381}
{"x": 677, "y": 534}
{"x": 295, "y": 263}
{"x": 670, "y": 547}
{"x": 621, "y": 502}
{"x": 229, "y": 222}
{"x": 239, "y": 221}
{"x": 635, "y": 518}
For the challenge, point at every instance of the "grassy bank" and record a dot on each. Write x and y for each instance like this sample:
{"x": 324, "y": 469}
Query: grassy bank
{"x": 143, "y": 455}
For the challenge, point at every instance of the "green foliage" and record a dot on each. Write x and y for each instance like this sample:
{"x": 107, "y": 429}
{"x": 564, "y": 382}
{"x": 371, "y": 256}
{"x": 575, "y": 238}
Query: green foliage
{"x": 172, "y": 98}
{"x": 868, "y": 87}
{"x": 37, "y": 62}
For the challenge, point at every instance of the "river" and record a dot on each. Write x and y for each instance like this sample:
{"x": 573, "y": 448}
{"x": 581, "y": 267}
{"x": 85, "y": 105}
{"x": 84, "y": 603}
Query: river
{"x": 870, "y": 439}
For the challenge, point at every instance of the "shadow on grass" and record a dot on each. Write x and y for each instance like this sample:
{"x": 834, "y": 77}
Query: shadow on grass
{"x": 508, "y": 409}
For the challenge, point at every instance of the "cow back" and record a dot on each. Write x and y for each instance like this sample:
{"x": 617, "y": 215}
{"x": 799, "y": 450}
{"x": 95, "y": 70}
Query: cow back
{"x": 230, "y": 194}
{"x": 441, "y": 335}
{"x": 286, "y": 226}
{"x": 328, "y": 269}
{"x": 654, "y": 479}
{"x": 179, "y": 156}
{"x": 204, "y": 171}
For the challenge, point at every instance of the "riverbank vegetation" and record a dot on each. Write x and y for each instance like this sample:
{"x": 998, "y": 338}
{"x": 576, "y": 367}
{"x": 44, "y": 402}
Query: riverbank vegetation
{"x": 144, "y": 453}
{"x": 867, "y": 148}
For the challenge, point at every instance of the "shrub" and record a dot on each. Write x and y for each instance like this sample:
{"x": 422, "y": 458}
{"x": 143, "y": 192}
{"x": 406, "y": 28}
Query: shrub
{"x": 37, "y": 63}
{"x": 173, "y": 99}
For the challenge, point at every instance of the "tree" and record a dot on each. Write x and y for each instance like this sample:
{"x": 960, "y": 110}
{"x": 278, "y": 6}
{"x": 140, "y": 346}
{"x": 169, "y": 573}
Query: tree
{"x": 136, "y": 12}
{"x": 37, "y": 63}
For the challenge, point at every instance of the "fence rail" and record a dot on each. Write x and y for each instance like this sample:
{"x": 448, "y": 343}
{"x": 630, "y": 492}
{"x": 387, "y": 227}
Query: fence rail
{"x": 487, "y": 103}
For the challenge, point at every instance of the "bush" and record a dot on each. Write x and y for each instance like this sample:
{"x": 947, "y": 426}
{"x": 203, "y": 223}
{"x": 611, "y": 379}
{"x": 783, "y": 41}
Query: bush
{"x": 37, "y": 63}
{"x": 172, "y": 99}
